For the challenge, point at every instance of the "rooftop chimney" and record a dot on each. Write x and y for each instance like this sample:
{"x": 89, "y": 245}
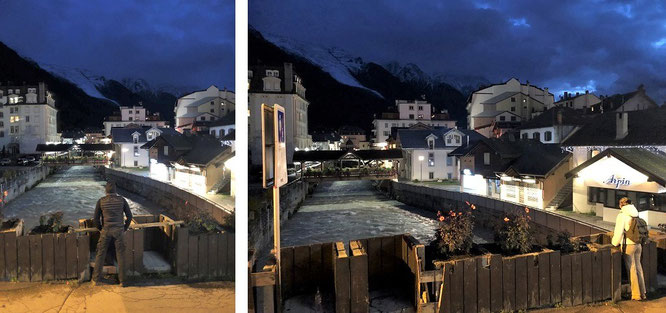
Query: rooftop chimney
{"x": 621, "y": 125}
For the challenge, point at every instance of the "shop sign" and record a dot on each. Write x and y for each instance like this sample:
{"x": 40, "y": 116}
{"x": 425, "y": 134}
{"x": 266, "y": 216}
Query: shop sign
{"x": 617, "y": 181}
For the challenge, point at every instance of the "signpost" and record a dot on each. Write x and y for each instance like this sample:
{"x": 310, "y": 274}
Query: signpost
{"x": 274, "y": 156}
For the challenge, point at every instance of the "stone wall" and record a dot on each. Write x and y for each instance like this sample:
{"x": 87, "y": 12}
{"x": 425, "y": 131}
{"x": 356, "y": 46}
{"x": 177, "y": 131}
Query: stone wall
{"x": 488, "y": 210}
{"x": 16, "y": 182}
{"x": 260, "y": 216}
{"x": 166, "y": 195}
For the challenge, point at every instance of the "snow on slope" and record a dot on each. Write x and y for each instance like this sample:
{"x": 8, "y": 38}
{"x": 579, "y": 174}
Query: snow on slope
{"x": 334, "y": 61}
{"x": 83, "y": 79}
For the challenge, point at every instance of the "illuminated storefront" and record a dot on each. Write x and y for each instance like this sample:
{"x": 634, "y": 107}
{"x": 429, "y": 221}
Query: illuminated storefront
{"x": 638, "y": 174}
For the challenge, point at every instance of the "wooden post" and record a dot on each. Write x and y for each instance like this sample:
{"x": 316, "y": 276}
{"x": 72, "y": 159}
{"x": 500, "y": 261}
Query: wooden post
{"x": 276, "y": 238}
{"x": 358, "y": 270}
{"x": 565, "y": 265}
{"x": 544, "y": 279}
{"x": 616, "y": 278}
{"x": 509, "y": 283}
{"x": 341, "y": 274}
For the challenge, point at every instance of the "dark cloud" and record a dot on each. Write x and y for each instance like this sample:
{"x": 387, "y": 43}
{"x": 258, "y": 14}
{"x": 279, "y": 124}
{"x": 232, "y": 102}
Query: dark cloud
{"x": 180, "y": 43}
{"x": 604, "y": 46}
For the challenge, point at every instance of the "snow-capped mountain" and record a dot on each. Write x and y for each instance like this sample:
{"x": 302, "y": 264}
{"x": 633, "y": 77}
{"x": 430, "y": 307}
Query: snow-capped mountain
{"x": 344, "y": 67}
{"x": 84, "y": 79}
{"x": 139, "y": 85}
{"x": 336, "y": 62}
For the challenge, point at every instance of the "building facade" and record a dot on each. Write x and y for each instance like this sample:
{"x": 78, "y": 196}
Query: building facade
{"x": 578, "y": 101}
{"x": 408, "y": 113}
{"x": 203, "y": 106}
{"x": 28, "y": 117}
{"x": 132, "y": 115}
{"x": 427, "y": 152}
{"x": 524, "y": 100}
{"x": 631, "y": 167}
{"x": 282, "y": 86}
{"x": 127, "y": 144}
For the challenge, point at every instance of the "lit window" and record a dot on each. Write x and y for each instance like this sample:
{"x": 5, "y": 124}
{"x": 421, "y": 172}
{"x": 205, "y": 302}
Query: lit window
{"x": 431, "y": 159}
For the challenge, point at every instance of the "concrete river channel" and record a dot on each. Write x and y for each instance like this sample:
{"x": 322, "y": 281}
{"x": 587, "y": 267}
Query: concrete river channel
{"x": 74, "y": 191}
{"x": 348, "y": 210}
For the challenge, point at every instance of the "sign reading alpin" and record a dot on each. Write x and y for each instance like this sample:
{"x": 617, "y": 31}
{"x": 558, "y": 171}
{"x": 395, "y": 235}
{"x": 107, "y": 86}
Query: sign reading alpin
{"x": 274, "y": 155}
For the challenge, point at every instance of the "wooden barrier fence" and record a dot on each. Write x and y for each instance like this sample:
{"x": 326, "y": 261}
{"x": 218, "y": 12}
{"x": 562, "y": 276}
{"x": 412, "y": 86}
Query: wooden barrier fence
{"x": 205, "y": 255}
{"x": 492, "y": 283}
{"x": 44, "y": 257}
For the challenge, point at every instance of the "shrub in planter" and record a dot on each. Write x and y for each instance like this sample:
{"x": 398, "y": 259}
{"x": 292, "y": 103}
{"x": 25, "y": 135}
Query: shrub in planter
{"x": 51, "y": 223}
{"x": 514, "y": 235}
{"x": 455, "y": 233}
{"x": 565, "y": 244}
{"x": 200, "y": 223}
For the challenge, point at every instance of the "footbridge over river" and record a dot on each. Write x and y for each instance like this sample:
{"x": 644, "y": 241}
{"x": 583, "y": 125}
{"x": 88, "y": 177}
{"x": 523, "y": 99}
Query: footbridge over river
{"x": 342, "y": 165}
{"x": 75, "y": 154}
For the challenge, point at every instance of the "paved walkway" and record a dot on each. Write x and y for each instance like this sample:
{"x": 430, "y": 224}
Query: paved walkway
{"x": 73, "y": 297}
{"x": 651, "y": 306}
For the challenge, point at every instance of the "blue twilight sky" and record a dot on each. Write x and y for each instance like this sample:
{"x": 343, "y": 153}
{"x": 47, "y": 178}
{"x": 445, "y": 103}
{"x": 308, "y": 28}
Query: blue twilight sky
{"x": 172, "y": 42}
{"x": 604, "y": 46}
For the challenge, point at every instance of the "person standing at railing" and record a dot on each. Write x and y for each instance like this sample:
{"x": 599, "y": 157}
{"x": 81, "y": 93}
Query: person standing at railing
{"x": 627, "y": 233}
{"x": 109, "y": 220}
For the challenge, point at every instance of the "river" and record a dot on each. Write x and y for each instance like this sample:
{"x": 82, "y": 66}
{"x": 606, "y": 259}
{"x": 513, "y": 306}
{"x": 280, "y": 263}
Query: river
{"x": 75, "y": 191}
{"x": 348, "y": 210}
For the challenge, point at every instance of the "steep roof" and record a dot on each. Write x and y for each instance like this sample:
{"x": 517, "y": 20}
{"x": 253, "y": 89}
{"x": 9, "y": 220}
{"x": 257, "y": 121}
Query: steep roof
{"x": 549, "y": 118}
{"x": 646, "y": 128}
{"x": 549, "y": 156}
{"x": 204, "y": 149}
{"x": 229, "y": 119}
{"x": 125, "y": 134}
{"x": 652, "y": 164}
{"x": 202, "y": 101}
{"x": 416, "y": 138}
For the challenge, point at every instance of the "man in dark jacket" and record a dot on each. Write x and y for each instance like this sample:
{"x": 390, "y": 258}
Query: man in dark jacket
{"x": 109, "y": 219}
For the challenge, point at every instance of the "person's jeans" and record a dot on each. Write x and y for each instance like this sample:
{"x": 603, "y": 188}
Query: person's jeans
{"x": 105, "y": 237}
{"x": 632, "y": 258}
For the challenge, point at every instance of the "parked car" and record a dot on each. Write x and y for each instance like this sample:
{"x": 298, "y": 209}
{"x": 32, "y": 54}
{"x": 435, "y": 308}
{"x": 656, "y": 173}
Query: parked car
{"x": 5, "y": 162}
{"x": 30, "y": 158}
{"x": 22, "y": 161}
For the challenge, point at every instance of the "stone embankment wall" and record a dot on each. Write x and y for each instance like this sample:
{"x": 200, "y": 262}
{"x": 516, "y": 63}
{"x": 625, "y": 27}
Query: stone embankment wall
{"x": 488, "y": 211}
{"x": 260, "y": 216}
{"x": 166, "y": 195}
{"x": 18, "y": 181}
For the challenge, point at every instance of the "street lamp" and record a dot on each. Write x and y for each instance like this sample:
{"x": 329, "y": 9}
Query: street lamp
{"x": 421, "y": 161}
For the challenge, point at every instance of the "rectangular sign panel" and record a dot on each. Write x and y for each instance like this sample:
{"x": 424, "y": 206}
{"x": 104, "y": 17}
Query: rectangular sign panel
{"x": 267, "y": 144}
{"x": 280, "y": 168}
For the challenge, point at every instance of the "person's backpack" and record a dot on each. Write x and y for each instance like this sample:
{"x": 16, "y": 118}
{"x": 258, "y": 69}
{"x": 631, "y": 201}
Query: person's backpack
{"x": 638, "y": 231}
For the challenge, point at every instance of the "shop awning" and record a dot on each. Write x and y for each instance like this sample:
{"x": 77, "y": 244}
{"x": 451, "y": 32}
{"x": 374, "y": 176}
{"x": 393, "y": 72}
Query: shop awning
{"x": 651, "y": 164}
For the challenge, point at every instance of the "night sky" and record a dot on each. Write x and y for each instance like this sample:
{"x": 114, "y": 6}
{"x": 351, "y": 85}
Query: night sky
{"x": 166, "y": 42}
{"x": 606, "y": 47}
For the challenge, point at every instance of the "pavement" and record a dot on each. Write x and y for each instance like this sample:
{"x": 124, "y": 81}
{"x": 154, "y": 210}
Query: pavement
{"x": 657, "y": 305}
{"x": 153, "y": 296}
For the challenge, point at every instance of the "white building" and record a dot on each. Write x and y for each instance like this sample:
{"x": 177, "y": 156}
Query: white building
{"x": 524, "y": 100}
{"x": 127, "y": 143}
{"x": 579, "y": 101}
{"x": 426, "y": 153}
{"x": 203, "y": 106}
{"x": 134, "y": 115}
{"x": 27, "y": 117}
{"x": 326, "y": 141}
{"x": 631, "y": 169}
{"x": 408, "y": 114}
{"x": 278, "y": 85}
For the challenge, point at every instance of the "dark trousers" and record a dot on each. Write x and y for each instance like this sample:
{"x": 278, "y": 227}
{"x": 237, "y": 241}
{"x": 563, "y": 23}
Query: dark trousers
{"x": 106, "y": 235}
